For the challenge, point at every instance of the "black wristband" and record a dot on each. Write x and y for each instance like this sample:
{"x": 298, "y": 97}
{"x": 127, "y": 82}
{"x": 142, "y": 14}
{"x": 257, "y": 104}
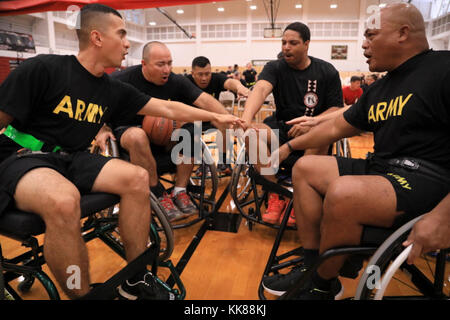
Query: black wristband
{"x": 290, "y": 147}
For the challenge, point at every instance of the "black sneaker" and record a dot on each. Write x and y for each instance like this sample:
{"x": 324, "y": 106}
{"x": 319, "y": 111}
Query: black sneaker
{"x": 147, "y": 289}
{"x": 310, "y": 292}
{"x": 278, "y": 284}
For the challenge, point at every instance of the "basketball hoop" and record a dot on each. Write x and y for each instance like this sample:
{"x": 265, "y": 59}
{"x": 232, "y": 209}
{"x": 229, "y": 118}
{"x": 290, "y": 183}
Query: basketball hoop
{"x": 273, "y": 33}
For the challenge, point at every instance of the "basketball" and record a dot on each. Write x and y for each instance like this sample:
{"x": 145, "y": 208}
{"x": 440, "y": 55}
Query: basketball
{"x": 158, "y": 129}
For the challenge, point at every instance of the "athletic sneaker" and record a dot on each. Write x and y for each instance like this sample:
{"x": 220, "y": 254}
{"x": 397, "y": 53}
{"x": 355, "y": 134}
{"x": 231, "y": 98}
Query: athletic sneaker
{"x": 311, "y": 292}
{"x": 172, "y": 211}
{"x": 147, "y": 289}
{"x": 184, "y": 203}
{"x": 274, "y": 209}
{"x": 278, "y": 284}
{"x": 291, "y": 219}
{"x": 224, "y": 169}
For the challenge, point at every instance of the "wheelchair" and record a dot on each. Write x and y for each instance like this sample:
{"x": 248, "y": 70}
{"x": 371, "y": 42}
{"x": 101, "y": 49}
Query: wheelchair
{"x": 100, "y": 221}
{"x": 249, "y": 190}
{"x": 25, "y": 227}
{"x": 202, "y": 189}
{"x": 386, "y": 272}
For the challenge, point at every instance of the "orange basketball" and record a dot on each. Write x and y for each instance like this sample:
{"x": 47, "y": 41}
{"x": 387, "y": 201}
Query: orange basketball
{"x": 158, "y": 129}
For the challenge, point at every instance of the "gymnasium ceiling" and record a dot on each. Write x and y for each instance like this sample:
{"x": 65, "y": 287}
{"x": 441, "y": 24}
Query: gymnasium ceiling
{"x": 16, "y": 7}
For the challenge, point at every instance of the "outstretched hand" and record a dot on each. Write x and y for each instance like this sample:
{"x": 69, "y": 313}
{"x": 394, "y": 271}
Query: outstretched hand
{"x": 304, "y": 121}
{"x": 230, "y": 120}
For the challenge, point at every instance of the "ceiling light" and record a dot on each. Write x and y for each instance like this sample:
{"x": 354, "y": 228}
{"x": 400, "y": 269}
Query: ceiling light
{"x": 220, "y": 9}
{"x": 253, "y": 7}
{"x": 152, "y": 23}
{"x": 333, "y": 6}
{"x": 298, "y": 6}
{"x": 180, "y": 11}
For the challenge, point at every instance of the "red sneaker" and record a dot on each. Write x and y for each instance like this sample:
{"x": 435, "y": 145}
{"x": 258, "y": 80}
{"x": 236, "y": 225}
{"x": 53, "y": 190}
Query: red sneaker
{"x": 274, "y": 208}
{"x": 291, "y": 219}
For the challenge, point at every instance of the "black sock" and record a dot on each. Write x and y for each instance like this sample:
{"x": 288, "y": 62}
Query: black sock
{"x": 158, "y": 190}
{"x": 310, "y": 257}
{"x": 321, "y": 283}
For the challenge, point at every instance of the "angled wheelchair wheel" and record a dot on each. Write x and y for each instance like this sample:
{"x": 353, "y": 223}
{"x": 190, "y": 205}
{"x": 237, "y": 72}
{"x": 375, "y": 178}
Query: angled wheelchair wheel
{"x": 342, "y": 148}
{"x": 204, "y": 180}
{"x": 161, "y": 230}
{"x": 388, "y": 272}
{"x": 247, "y": 195}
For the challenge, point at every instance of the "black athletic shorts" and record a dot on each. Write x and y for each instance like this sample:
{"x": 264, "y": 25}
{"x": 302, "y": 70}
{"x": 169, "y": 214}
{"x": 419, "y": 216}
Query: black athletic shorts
{"x": 282, "y": 131}
{"x": 417, "y": 192}
{"x": 81, "y": 168}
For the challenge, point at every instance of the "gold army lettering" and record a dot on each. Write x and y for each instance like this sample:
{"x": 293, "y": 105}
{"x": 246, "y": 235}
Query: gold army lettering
{"x": 382, "y": 111}
{"x": 92, "y": 113}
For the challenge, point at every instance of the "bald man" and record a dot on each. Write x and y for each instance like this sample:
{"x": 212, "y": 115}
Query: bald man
{"x": 408, "y": 174}
{"x": 154, "y": 76}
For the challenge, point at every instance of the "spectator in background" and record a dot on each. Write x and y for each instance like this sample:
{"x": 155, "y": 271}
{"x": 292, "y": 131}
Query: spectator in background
{"x": 368, "y": 80}
{"x": 352, "y": 92}
{"x": 250, "y": 75}
{"x": 229, "y": 72}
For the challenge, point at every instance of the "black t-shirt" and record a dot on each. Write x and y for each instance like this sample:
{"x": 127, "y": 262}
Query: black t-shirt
{"x": 177, "y": 88}
{"x": 215, "y": 86}
{"x": 298, "y": 92}
{"x": 249, "y": 75}
{"x": 55, "y": 99}
{"x": 409, "y": 110}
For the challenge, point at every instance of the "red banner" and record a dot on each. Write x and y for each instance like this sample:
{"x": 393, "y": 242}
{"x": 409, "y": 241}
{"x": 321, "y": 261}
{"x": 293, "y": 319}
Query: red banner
{"x": 16, "y": 7}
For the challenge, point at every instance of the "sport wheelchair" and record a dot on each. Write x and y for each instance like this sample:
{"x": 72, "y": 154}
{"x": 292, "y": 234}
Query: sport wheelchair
{"x": 387, "y": 270}
{"x": 249, "y": 190}
{"x": 202, "y": 189}
{"x": 25, "y": 227}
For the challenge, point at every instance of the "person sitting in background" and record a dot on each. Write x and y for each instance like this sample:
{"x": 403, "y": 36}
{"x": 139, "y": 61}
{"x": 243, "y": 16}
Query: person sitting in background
{"x": 250, "y": 75}
{"x": 352, "y": 92}
{"x": 214, "y": 84}
{"x": 368, "y": 80}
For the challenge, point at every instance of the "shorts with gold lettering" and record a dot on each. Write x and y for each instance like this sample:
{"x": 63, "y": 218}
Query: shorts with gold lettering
{"x": 418, "y": 191}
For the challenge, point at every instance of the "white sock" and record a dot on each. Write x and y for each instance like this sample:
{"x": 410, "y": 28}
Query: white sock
{"x": 176, "y": 190}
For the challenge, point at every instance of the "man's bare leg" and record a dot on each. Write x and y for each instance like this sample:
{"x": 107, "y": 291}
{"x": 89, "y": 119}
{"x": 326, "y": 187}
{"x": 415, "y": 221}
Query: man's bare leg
{"x": 130, "y": 182}
{"x": 350, "y": 203}
{"x": 57, "y": 202}
{"x": 136, "y": 142}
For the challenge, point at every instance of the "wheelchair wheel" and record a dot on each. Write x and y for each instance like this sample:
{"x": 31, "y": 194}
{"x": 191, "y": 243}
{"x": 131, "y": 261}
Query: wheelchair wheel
{"x": 247, "y": 195}
{"x": 161, "y": 229}
{"x": 387, "y": 271}
{"x": 342, "y": 148}
{"x": 204, "y": 179}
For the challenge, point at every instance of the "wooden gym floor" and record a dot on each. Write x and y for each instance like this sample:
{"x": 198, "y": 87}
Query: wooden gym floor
{"x": 225, "y": 265}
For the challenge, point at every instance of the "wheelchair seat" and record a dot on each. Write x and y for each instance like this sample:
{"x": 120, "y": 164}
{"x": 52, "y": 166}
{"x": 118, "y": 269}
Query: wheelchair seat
{"x": 20, "y": 225}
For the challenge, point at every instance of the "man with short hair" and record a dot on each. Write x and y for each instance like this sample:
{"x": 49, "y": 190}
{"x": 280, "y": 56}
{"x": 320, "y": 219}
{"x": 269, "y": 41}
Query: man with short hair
{"x": 214, "y": 84}
{"x": 352, "y": 92}
{"x": 52, "y": 107}
{"x": 250, "y": 75}
{"x": 301, "y": 85}
{"x": 154, "y": 76}
{"x": 409, "y": 172}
